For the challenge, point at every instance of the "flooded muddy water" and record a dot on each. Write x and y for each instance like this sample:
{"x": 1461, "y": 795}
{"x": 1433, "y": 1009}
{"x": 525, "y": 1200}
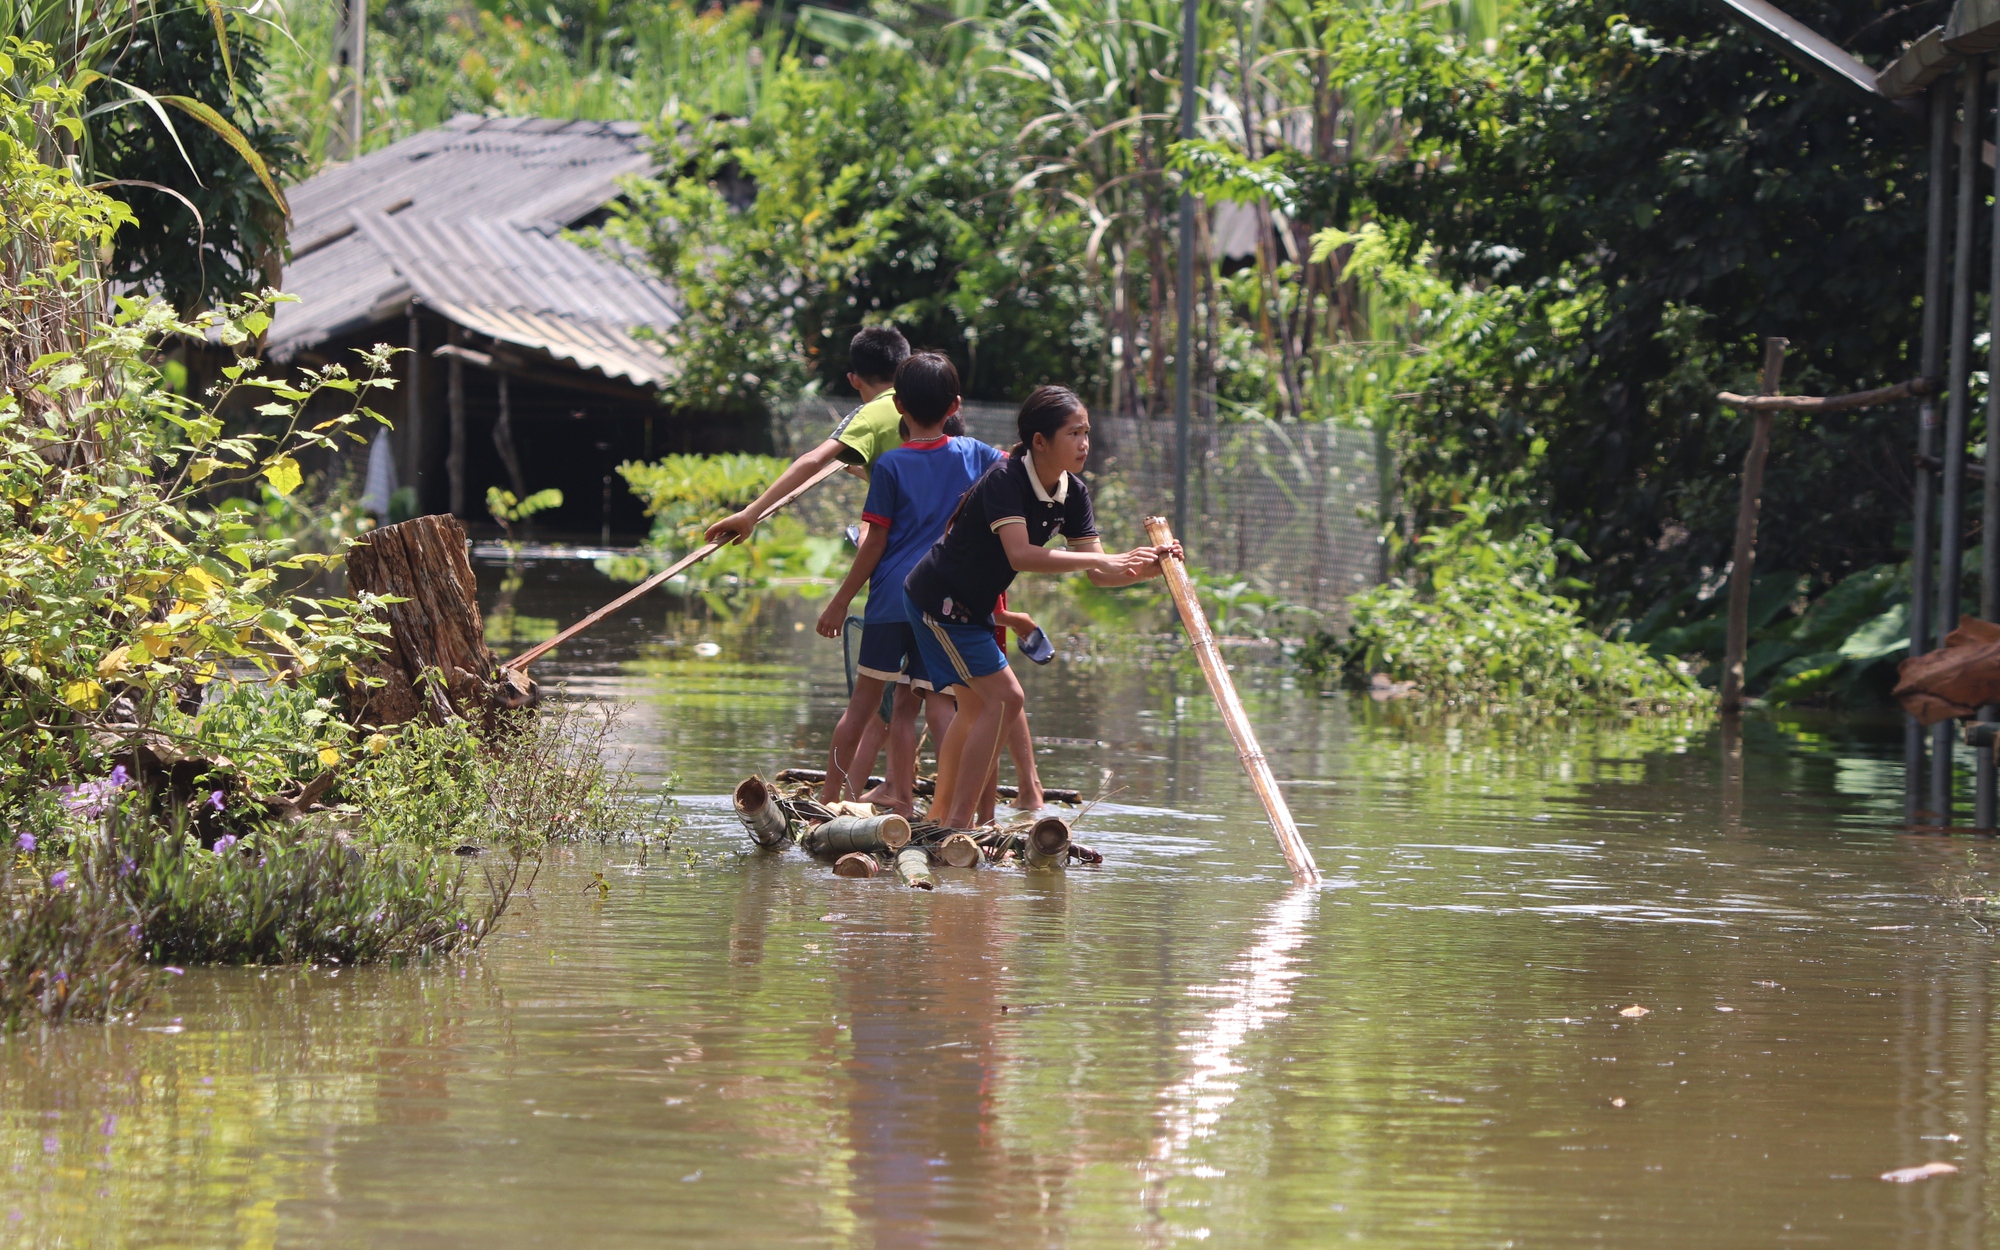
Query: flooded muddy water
{"x": 1439, "y": 1048}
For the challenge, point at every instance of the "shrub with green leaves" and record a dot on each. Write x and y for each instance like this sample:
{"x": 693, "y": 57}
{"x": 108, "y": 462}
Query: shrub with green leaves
{"x": 126, "y": 583}
{"x": 684, "y": 493}
{"x": 69, "y": 940}
{"x": 1480, "y": 619}
{"x": 291, "y": 897}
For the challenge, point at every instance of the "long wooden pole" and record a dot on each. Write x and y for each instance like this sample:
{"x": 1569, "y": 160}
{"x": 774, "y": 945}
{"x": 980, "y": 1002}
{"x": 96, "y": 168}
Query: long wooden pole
{"x": 1737, "y": 640}
{"x": 520, "y": 662}
{"x": 1304, "y": 871}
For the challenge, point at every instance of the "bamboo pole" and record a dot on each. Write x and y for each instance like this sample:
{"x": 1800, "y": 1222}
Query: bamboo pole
{"x": 958, "y": 850}
{"x": 520, "y": 662}
{"x": 1744, "y": 560}
{"x": 857, "y": 865}
{"x": 843, "y": 834}
{"x": 913, "y": 866}
{"x": 1304, "y": 871}
{"x": 757, "y": 809}
{"x": 1047, "y": 844}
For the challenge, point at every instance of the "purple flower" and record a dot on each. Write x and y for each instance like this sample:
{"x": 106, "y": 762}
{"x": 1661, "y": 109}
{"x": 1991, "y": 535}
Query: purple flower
{"x": 93, "y": 798}
{"x": 215, "y": 799}
{"x": 224, "y": 842}
{"x": 26, "y": 841}
{"x": 58, "y": 879}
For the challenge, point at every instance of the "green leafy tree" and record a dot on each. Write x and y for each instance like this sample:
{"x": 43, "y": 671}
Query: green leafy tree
{"x": 1664, "y": 191}
{"x": 168, "y": 176}
{"x": 875, "y": 190}
{"x": 123, "y": 587}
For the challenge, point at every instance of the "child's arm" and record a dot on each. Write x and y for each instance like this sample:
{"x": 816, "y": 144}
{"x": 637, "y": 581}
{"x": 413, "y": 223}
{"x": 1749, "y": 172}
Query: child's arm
{"x": 1020, "y": 622}
{"x": 736, "y": 527}
{"x": 1086, "y": 556}
{"x": 873, "y": 544}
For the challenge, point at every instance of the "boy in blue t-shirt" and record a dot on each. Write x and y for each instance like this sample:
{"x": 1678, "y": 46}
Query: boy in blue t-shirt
{"x": 912, "y": 492}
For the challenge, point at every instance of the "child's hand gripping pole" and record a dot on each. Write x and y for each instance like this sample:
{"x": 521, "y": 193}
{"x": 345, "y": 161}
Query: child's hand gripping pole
{"x": 1304, "y": 871}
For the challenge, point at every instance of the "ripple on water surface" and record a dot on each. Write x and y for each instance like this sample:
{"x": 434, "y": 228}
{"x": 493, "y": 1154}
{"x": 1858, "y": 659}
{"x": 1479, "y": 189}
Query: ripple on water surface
{"x": 1438, "y": 1048}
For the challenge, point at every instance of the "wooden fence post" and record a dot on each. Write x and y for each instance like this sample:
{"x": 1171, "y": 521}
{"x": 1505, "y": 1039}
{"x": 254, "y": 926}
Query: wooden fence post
{"x": 1744, "y": 559}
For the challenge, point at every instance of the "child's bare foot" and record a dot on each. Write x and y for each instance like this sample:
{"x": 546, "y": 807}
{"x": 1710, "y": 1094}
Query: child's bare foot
{"x": 881, "y": 794}
{"x": 1029, "y": 801}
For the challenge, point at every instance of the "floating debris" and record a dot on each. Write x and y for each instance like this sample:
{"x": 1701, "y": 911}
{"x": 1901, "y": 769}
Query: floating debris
{"x": 1903, "y": 1176}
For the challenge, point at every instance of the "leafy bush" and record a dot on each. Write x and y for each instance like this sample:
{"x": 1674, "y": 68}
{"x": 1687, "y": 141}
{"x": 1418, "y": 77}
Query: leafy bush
{"x": 69, "y": 944}
{"x": 684, "y": 493}
{"x": 1842, "y": 647}
{"x": 543, "y": 777}
{"x": 273, "y": 898}
{"x": 870, "y": 188}
{"x": 1481, "y": 621}
{"x": 124, "y": 587}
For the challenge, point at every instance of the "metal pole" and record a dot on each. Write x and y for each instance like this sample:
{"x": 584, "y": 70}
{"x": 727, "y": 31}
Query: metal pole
{"x": 1951, "y": 510}
{"x": 1184, "y": 310}
{"x": 1931, "y": 366}
{"x": 357, "y": 16}
{"x": 1986, "y": 793}
{"x": 413, "y": 404}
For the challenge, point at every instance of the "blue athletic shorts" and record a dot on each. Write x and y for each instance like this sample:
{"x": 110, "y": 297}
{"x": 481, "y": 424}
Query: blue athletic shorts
{"x": 954, "y": 653}
{"x": 889, "y": 653}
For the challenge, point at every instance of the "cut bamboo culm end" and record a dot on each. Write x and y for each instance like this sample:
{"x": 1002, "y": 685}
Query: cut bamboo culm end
{"x": 760, "y": 814}
{"x": 913, "y": 866}
{"x": 1048, "y": 843}
{"x": 867, "y": 834}
{"x": 1297, "y": 856}
{"x": 958, "y": 850}
{"x": 856, "y": 865}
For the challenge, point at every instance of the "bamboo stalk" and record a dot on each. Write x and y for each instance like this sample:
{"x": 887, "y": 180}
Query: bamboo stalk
{"x": 1202, "y": 638}
{"x": 1047, "y": 844}
{"x": 1744, "y": 560}
{"x": 760, "y": 814}
{"x": 913, "y": 865}
{"x": 1829, "y": 403}
{"x": 857, "y": 866}
{"x": 520, "y": 662}
{"x": 928, "y": 785}
{"x": 958, "y": 850}
{"x": 845, "y": 834}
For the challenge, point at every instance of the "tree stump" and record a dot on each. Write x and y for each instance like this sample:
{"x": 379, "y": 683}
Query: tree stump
{"x": 436, "y": 629}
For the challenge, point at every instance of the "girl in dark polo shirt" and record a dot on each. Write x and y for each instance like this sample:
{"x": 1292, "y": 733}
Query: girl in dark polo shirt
{"x": 1001, "y": 528}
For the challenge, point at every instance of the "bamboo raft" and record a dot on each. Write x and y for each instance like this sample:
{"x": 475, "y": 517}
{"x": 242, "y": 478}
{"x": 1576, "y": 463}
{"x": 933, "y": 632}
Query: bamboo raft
{"x": 860, "y": 843}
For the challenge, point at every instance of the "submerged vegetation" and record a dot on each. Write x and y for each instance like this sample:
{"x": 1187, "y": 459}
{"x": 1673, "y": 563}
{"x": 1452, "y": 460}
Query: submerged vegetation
{"x": 1482, "y": 620}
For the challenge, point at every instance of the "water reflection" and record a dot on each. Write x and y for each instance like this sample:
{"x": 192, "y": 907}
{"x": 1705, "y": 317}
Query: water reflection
{"x": 744, "y": 1051}
{"x": 1251, "y": 1000}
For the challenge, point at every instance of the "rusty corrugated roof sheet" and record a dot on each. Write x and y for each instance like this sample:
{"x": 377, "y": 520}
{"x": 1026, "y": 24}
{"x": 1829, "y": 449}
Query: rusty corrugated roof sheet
{"x": 467, "y": 219}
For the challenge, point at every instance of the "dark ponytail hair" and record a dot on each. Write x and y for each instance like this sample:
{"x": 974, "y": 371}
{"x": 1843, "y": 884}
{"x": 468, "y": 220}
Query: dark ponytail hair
{"x": 1047, "y": 409}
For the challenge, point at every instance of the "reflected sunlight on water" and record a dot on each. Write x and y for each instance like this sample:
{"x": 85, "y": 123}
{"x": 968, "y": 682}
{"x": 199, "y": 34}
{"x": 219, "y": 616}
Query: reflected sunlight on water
{"x": 731, "y": 1049}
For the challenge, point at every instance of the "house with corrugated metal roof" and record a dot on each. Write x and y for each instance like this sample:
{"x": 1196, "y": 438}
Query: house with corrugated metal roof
{"x": 530, "y": 364}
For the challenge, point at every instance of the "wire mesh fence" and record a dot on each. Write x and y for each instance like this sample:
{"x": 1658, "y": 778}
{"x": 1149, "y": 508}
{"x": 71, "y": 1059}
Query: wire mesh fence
{"x": 1287, "y": 507}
